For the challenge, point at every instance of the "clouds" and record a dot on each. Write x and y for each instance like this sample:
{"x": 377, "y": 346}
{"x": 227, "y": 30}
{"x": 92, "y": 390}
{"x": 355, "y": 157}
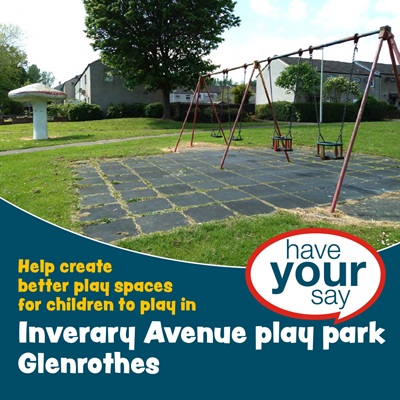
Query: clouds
{"x": 55, "y": 40}
{"x": 276, "y": 27}
{"x": 280, "y": 9}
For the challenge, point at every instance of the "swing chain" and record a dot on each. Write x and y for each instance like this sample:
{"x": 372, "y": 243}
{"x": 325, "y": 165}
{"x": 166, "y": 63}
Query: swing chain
{"x": 292, "y": 108}
{"x": 317, "y": 117}
{"x": 271, "y": 94}
{"x": 355, "y": 50}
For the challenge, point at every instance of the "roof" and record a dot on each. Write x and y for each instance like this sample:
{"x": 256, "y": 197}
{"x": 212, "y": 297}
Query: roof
{"x": 344, "y": 68}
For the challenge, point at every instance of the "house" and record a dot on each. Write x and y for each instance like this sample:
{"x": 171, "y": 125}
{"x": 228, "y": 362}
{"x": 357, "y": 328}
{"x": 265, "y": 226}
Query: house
{"x": 99, "y": 85}
{"x": 383, "y": 85}
{"x": 218, "y": 93}
{"x": 185, "y": 96}
{"x": 68, "y": 87}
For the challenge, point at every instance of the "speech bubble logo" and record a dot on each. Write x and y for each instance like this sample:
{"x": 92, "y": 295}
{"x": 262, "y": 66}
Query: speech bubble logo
{"x": 316, "y": 274}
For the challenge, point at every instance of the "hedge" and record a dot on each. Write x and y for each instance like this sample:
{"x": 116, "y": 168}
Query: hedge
{"x": 84, "y": 112}
{"x": 135, "y": 110}
{"x": 76, "y": 111}
{"x": 375, "y": 110}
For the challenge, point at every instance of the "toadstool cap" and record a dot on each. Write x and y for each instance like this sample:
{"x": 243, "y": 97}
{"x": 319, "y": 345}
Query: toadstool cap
{"x": 36, "y": 91}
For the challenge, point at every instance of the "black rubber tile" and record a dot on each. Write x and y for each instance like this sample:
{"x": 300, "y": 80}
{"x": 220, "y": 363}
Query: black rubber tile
{"x": 137, "y": 194}
{"x": 209, "y": 213}
{"x": 378, "y": 209}
{"x": 318, "y": 197}
{"x": 189, "y": 200}
{"x": 221, "y": 174}
{"x": 149, "y": 206}
{"x": 355, "y": 192}
{"x": 267, "y": 178}
{"x": 161, "y": 222}
{"x": 175, "y": 189}
{"x": 290, "y": 186}
{"x": 152, "y": 175}
{"x": 194, "y": 178}
{"x": 93, "y": 189}
{"x": 123, "y": 178}
{"x": 239, "y": 181}
{"x": 91, "y": 181}
{"x": 111, "y": 231}
{"x": 250, "y": 172}
{"x": 109, "y": 211}
{"x": 102, "y": 198}
{"x": 250, "y": 207}
{"x": 166, "y": 180}
{"x": 227, "y": 194}
{"x": 260, "y": 190}
{"x": 384, "y": 173}
{"x": 208, "y": 185}
{"x": 287, "y": 201}
{"x": 115, "y": 171}
{"x": 390, "y": 184}
{"x": 83, "y": 174}
{"x": 128, "y": 185}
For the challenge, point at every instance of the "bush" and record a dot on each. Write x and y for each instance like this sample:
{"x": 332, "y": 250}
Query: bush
{"x": 134, "y": 110}
{"x": 58, "y": 110}
{"x": 375, "y": 110}
{"x": 84, "y": 112}
{"x": 282, "y": 111}
{"x": 11, "y": 107}
{"x": 154, "y": 110}
{"x": 115, "y": 111}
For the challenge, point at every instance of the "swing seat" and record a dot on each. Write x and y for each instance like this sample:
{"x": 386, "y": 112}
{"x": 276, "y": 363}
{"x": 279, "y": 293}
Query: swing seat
{"x": 238, "y": 137}
{"x": 216, "y": 135}
{"x": 282, "y": 143}
{"x": 338, "y": 150}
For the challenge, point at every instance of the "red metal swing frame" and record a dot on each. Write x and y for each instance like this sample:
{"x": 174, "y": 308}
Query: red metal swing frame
{"x": 280, "y": 142}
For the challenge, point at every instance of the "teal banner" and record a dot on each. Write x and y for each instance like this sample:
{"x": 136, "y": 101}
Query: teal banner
{"x": 313, "y": 315}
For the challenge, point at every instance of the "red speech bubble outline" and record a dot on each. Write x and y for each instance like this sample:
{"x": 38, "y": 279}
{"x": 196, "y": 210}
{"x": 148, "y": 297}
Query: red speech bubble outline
{"x": 326, "y": 231}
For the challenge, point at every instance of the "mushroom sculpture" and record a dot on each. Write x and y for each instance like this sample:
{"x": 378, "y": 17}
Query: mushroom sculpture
{"x": 38, "y": 94}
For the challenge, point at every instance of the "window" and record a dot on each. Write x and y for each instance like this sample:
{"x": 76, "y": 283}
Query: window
{"x": 357, "y": 80}
{"x": 108, "y": 76}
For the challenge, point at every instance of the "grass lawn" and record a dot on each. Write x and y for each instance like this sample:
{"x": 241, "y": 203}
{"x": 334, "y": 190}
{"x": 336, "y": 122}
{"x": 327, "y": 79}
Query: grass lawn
{"x": 42, "y": 182}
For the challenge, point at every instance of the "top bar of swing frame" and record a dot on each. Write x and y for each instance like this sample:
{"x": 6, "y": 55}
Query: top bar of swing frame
{"x": 300, "y": 51}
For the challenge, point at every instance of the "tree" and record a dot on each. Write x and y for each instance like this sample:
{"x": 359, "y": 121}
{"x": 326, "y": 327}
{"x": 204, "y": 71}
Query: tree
{"x": 335, "y": 88}
{"x": 12, "y": 62}
{"x": 34, "y": 75}
{"x": 161, "y": 44}
{"x": 238, "y": 93}
{"x": 302, "y": 79}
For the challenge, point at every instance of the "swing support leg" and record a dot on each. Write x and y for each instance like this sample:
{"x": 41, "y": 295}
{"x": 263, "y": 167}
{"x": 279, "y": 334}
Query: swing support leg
{"x": 236, "y": 120}
{"x": 383, "y": 35}
{"x": 275, "y": 142}
{"x": 196, "y": 94}
{"x": 215, "y": 111}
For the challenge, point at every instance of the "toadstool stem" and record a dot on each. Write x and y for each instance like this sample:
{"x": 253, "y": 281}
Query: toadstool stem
{"x": 39, "y": 120}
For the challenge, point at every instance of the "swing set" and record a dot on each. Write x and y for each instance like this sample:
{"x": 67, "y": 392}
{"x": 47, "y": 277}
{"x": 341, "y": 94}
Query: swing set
{"x": 282, "y": 142}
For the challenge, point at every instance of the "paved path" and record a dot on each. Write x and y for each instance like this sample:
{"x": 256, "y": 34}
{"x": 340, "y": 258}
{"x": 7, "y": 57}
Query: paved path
{"x": 130, "y": 196}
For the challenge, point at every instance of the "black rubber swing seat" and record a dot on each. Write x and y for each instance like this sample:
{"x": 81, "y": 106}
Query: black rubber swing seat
{"x": 338, "y": 149}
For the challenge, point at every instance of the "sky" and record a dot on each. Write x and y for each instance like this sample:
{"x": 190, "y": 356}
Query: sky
{"x": 55, "y": 41}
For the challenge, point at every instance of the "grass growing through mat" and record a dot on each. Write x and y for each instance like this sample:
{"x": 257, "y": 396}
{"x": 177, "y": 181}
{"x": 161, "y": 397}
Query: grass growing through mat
{"x": 43, "y": 183}
{"x": 231, "y": 242}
